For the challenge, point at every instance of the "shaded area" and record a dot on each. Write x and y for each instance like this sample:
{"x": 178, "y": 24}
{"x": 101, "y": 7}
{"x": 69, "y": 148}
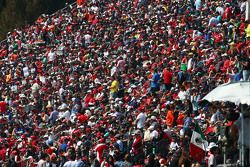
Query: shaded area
{"x": 17, "y": 13}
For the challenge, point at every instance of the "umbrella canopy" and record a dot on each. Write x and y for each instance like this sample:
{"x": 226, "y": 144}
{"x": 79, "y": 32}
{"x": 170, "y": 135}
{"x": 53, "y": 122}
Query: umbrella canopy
{"x": 237, "y": 92}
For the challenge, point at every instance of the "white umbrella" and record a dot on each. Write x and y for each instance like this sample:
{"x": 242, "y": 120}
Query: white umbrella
{"x": 238, "y": 92}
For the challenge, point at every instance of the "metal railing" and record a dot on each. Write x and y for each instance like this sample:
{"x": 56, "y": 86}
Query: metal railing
{"x": 3, "y": 42}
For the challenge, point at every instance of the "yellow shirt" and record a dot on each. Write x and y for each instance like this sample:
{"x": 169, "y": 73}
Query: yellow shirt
{"x": 248, "y": 31}
{"x": 8, "y": 78}
{"x": 114, "y": 86}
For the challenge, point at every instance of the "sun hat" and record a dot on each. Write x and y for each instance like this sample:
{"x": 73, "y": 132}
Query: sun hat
{"x": 211, "y": 145}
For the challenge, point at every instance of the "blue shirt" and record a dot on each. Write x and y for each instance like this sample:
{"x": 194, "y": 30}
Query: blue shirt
{"x": 187, "y": 122}
{"x": 197, "y": 4}
{"x": 155, "y": 80}
{"x": 53, "y": 116}
{"x": 213, "y": 21}
{"x": 80, "y": 163}
{"x": 63, "y": 147}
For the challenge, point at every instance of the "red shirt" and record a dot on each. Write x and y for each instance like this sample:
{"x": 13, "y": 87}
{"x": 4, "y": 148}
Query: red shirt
{"x": 3, "y": 154}
{"x": 167, "y": 76}
{"x": 3, "y": 106}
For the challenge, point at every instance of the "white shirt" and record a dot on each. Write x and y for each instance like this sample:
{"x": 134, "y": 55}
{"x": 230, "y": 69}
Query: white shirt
{"x": 66, "y": 115}
{"x": 213, "y": 20}
{"x": 213, "y": 118}
{"x": 70, "y": 164}
{"x": 113, "y": 70}
{"x": 243, "y": 6}
{"x": 87, "y": 38}
{"x": 220, "y": 10}
{"x": 189, "y": 65}
{"x": 182, "y": 95}
{"x": 141, "y": 118}
{"x": 41, "y": 163}
{"x": 154, "y": 135}
{"x": 173, "y": 146}
{"x": 200, "y": 116}
{"x": 61, "y": 91}
{"x": 121, "y": 65}
{"x": 198, "y": 4}
{"x": 51, "y": 56}
{"x": 147, "y": 135}
{"x": 35, "y": 87}
{"x": 26, "y": 71}
{"x": 211, "y": 160}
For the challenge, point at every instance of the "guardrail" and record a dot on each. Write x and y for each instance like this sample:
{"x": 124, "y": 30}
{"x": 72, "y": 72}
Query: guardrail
{"x": 4, "y": 42}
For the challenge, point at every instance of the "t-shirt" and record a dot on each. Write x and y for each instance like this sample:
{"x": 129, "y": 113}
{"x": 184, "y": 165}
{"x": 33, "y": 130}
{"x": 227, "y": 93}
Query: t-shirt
{"x": 41, "y": 163}
{"x": 141, "y": 118}
{"x": 198, "y": 4}
{"x": 80, "y": 163}
{"x": 121, "y": 65}
{"x": 154, "y": 135}
{"x": 211, "y": 160}
{"x": 3, "y": 106}
{"x": 114, "y": 86}
{"x": 213, "y": 21}
{"x": 26, "y": 72}
{"x": 51, "y": 56}
{"x": 170, "y": 118}
{"x": 155, "y": 80}
{"x": 113, "y": 70}
{"x": 220, "y": 10}
{"x": 167, "y": 77}
{"x": 70, "y": 164}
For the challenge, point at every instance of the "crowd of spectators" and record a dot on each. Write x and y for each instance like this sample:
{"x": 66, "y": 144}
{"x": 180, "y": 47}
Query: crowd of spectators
{"x": 119, "y": 83}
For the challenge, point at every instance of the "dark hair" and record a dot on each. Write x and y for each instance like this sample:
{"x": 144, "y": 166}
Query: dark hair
{"x": 71, "y": 154}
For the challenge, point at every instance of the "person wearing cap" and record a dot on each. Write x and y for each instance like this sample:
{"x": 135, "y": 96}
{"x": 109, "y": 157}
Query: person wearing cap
{"x": 153, "y": 133}
{"x": 190, "y": 40}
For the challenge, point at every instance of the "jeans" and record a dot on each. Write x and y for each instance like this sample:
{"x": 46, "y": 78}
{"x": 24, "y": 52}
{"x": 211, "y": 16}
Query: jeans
{"x": 246, "y": 74}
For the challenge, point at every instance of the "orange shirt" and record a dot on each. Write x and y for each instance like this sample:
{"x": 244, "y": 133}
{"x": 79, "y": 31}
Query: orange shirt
{"x": 180, "y": 119}
{"x": 170, "y": 118}
{"x": 13, "y": 57}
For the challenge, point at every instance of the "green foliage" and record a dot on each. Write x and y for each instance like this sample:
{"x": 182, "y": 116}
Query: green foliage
{"x": 17, "y": 13}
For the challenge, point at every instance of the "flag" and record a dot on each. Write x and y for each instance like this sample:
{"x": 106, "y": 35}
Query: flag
{"x": 198, "y": 144}
{"x": 99, "y": 148}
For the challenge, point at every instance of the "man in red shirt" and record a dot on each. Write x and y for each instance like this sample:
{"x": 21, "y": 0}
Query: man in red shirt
{"x": 167, "y": 78}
